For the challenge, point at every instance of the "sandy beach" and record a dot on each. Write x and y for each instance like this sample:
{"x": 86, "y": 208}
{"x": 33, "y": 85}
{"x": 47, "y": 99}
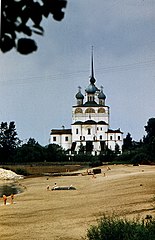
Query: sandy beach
{"x": 125, "y": 190}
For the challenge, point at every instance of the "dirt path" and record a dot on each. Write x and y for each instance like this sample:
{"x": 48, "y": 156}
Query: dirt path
{"x": 65, "y": 215}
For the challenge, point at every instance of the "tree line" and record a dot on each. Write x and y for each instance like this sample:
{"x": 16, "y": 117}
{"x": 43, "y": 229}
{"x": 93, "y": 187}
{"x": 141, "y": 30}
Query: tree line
{"x": 142, "y": 151}
{"x": 13, "y": 150}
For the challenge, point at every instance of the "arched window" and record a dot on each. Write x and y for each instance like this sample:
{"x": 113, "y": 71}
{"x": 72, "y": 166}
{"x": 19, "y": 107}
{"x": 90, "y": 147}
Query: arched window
{"x": 91, "y": 98}
{"x": 101, "y": 110}
{"x": 78, "y": 110}
{"x": 89, "y": 131}
{"x": 90, "y": 110}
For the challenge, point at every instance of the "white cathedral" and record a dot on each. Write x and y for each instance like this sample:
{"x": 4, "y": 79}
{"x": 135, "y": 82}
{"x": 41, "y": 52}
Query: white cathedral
{"x": 90, "y": 129}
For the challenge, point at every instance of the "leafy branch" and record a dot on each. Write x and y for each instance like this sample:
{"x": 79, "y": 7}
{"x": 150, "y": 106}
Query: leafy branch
{"x": 17, "y": 15}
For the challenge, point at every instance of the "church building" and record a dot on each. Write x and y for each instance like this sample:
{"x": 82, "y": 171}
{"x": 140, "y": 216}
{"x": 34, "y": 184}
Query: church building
{"x": 90, "y": 130}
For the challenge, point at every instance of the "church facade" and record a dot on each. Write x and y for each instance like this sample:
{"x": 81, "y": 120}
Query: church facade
{"x": 90, "y": 130}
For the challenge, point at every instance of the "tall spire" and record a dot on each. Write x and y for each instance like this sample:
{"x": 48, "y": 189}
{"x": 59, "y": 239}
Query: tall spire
{"x": 92, "y": 79}
{"x": 92, "y": 64}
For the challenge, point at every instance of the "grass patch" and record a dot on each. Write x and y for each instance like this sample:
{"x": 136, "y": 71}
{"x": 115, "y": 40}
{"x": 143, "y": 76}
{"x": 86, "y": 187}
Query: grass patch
{"x": 39, "y": 170}
{"x": 110, "y": 228}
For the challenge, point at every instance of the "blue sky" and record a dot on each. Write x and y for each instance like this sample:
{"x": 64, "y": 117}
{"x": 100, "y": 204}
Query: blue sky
{"x": 38, "y": 90}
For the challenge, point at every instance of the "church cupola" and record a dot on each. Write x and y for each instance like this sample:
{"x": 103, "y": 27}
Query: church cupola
{"x": 101, "y": 97}
{"x": 79, "y": 96}
{"x": 91, "y": 89}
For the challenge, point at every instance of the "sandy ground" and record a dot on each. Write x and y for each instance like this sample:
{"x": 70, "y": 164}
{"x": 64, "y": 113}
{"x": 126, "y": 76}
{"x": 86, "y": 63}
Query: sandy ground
{"x": 127, "y": 191}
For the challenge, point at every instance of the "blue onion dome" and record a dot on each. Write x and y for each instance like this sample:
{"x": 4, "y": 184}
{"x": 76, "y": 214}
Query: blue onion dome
{"x": 79, "y": 95}
{"x": 91, "y": 88}
{"x": 101, "y": 94}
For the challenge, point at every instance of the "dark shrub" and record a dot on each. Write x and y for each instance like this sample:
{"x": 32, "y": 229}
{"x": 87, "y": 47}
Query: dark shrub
{"x": 111, "y": 228}
{"x": 22, "y": 171}
{"x": 140, "y": 158}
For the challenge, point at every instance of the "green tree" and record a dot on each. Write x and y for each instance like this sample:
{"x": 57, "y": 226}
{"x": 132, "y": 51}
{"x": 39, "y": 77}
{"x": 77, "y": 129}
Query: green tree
{"x": 24, "y": 17}
{"x": 127, "y": 144}
{"x": 81, "y": 148}
{"x": 8, "y": 140}
{"x": 55, "y": 153}
{"x": 149, "y": 139}
{"x": 30, "y": 152}
{"x": 117, "y": 149}
{"x": 150, "y": 129}
{"x": 32, "y": 142}
{"x": 108, "y": 155}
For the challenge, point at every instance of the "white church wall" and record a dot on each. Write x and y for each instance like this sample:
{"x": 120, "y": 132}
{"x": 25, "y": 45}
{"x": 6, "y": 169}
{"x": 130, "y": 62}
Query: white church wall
{"x": 113, "y": 139}
{"x": 64, "y": 140}
{"x": 101, "y": 132}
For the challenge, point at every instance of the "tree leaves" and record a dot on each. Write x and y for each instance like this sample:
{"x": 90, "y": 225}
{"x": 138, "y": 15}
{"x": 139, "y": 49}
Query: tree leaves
{"x": 7, "y": 43}
{"x": 26, "y": 46}
{"x": 55, "y": 7}
{"x": 150, "y": 129}
{"x": 17, "y": 17}
{"x": 8, "y": 140}
{"x": 36, "y": 13}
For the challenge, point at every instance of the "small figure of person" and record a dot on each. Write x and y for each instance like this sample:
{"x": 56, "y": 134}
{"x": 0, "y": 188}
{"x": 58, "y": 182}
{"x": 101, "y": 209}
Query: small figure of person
{"x": 4, "y": 199}
{"x": 55, "y": 185}
{"x": 11, "y": 198}
{"x": 48, "y": 188}
{"x": 94, "y": 176}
